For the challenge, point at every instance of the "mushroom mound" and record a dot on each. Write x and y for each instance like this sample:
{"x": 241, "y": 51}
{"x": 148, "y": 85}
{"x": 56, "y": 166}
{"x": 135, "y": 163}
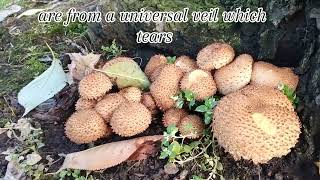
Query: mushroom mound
{"x": 264, "y": 73}
{"x": 215, "y": 56}
{"x": 132, "y": 94}
{"x": 173, "y": 116}
{"x": 148, "y": 101}
{"x": 255, "y": 123}
{"x": 154, "y": 62}
{"x": 85, "y": 104}
{"x": 199, "y": 82}
{"x": 235, "y": 75}
{"x": 85, "y": 126}
{"x": 94, "y": 85}
{"x": 109, "y": 104}
{"x": 185, "y": 63}
{"x": 166, "y": 86}
{"x": 191, "y": 126}
{"x": 130, "y": 119}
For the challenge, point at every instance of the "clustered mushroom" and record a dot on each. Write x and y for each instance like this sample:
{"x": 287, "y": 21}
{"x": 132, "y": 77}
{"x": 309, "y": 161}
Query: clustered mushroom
{"x": 253, "y": 121}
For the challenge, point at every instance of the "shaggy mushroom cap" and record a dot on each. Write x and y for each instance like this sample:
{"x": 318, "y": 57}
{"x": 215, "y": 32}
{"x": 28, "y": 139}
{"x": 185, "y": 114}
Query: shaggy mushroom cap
{"x": 85, "y": 104}
{"x": 130, "y": 118}
{"x": 154, "y": 62}
{"x": 270, "y": 75}
{"x": 185, "y": 63}
{"x": 191, "y": 126}
{"x": 166, "y": 86}
{"x": 132, "y": 94}
{"x": 199, "y": 82}
{"x": 173, "y": 116}
{"x": 108, "y": 105}
{"x": 149, "y": 102}
{"x": 235, "y": 75}
{"x": 155, "y": 74}
{"x": 255, "y": 123}
{"x": 94, "y": 85}
{"x": 215, "y": 56}
{"x": 85, "y": 126}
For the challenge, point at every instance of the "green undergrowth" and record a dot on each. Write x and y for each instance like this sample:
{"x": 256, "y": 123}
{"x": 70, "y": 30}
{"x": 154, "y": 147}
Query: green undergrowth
{"x": 23, "y": 56}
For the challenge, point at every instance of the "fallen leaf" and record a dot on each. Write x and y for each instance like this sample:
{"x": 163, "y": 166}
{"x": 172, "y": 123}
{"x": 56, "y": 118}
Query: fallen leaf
{"x": 43, "y": 87}
{"x": 108, "y": 155}
{"x": 126, "y": 72}
{"x": 82, "y": 65}
{"x": 9, "y": 11}
{"x": 14, "y": 172}
{"x": 30, "y": 12}
{"x": 33, "y": 159}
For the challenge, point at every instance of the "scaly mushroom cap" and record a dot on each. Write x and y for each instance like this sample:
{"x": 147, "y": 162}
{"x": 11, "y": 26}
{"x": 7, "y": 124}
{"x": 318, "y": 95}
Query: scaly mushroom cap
{"x": 215, "y": 56}
{"x": 154, "y": 62}
{"x": 132, "y": 94}
{"x": 85, "y": 126}
{"x": 173, "y": 116}
{"x": 108, "y": 105}
{"x": 149, "y": 102}
{"x": 85, "y": 104}
{"x": 166, "y": 86}
{"x": 235, "y": 75}
{"x": 155, "y": 74}
{"x": 248, "y": 124}
{"x": 130, "y": 118}
{"x": 191, "y": 126}
{"x": 199, "y": 82}
{"x": 270, "y": 75}
{"x": 185, "y": 63}
{"x": 94, "y": 85}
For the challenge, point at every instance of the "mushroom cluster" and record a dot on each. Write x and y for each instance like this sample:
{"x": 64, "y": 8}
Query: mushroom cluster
{"x": 101, "y": 111}
{"x": 253, "y": 121}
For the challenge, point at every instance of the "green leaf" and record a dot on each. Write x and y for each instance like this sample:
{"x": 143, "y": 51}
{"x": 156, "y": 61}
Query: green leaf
{"x": 164, "y": 154}
{"x": 175, "y": 148}
{"x": 171, "y": 60}
{"x": 43, "y": 87}
{"x": 194, "y": 144}
{"x": 172, "y": 130}
{"x": 207, "y": 118}
{"x": 202, "y": 108}
{"x": 192, "y": 103}
{"x": 179, "y": 104}
{"x": 187, "y": 148}
{"x": 127, "y": 73}
{"x": 188, "y": 95}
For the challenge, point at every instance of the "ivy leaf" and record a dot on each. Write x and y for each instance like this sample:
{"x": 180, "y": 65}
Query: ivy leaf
{"x": 172, "y": 130}
{"x": 171, "y": 60}
{"x": 202, "y": 108}
{"x": 207, "y": 118}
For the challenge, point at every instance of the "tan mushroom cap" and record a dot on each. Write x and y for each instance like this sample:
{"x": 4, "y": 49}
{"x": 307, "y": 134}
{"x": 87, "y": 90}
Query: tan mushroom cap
{"x": 108, "y": 105}
{"x": 199, "y": 82}
{"x": 191, "y": 126}
{"x": 132, "y": 94}
{"x": 185, "y": 63}
{"x": 215, "y": 56}
{"x": 166, "y": 86}
{"x": 85, "y": 104}
{"x": 154, "y": 62}
{"x": 235, "y": 75}
{"x": 270, "y": 75}
{"x": 173, "y": 116}
{"x": 85, "y": 126}
{"x": 155, "y": 74}
{"x": 248, "y": 125}
{"x": 149, "y": 102}
{"x": 94, "y": 85}
{"x": 130, "y": 118}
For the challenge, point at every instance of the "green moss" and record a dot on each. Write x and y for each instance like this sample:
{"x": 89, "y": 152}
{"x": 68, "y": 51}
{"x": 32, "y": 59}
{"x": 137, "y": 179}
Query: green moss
{"x": 219, "y": 31}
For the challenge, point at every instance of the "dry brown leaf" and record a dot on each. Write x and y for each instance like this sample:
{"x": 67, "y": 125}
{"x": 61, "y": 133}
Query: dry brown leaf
{"x": 82, "y": 65}
{"x": 111, "y": 154}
